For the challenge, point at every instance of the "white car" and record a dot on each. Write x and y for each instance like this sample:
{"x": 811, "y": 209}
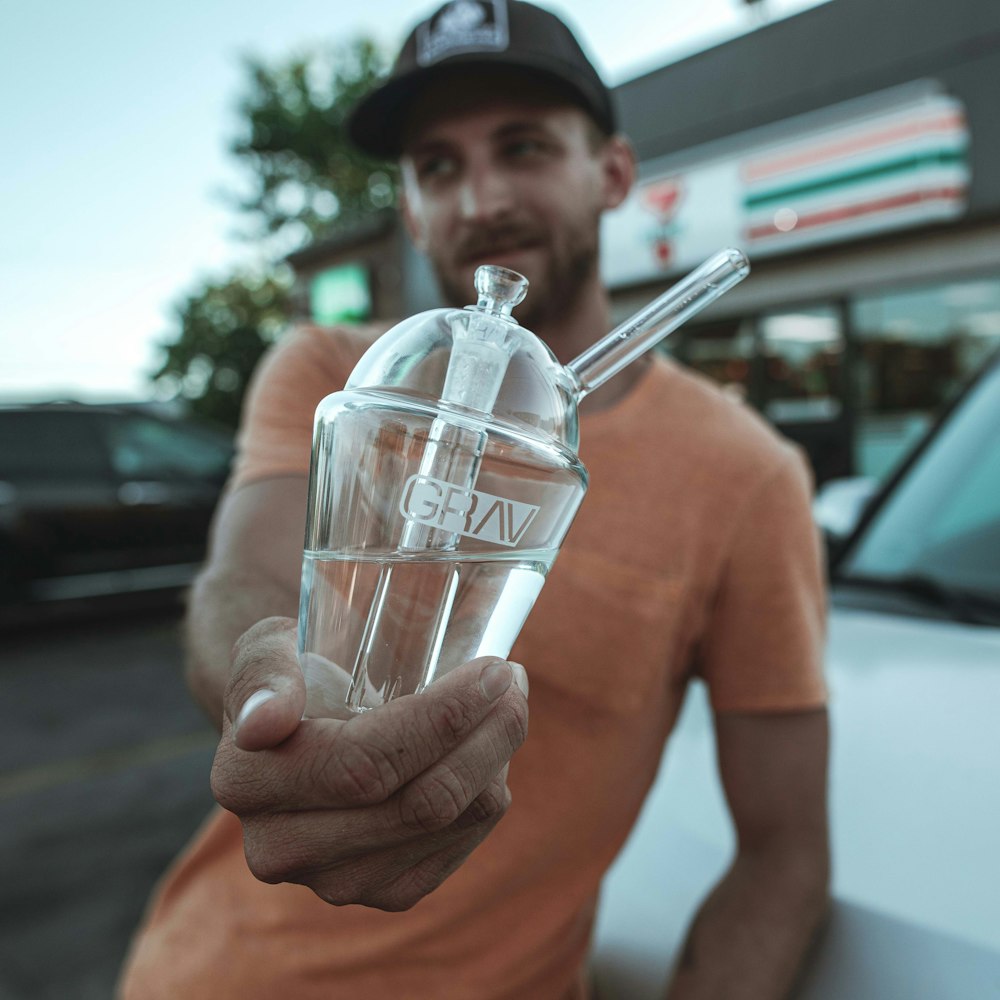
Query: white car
{"x": 913, "y": 665}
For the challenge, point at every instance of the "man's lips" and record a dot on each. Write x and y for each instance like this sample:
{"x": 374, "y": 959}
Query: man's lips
{"x": 483, "y": 254}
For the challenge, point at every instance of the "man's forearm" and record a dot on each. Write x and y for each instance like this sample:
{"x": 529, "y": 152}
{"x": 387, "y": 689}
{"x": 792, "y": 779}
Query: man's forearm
{"x": 753, "y": 932}
{"x": 221, "y": 607}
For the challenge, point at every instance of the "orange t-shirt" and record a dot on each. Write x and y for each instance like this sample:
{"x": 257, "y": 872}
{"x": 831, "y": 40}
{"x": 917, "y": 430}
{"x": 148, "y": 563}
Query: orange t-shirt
{"x": 694, "y": 554}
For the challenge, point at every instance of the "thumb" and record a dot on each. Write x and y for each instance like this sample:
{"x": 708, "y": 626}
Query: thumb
{"x": 266, "y": 694}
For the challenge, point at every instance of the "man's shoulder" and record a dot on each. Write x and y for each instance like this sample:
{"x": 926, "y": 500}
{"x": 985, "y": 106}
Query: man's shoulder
{"x": 338, "y": 346}
{"x": 306, "y": 364}
{"x": 715, "y": 423}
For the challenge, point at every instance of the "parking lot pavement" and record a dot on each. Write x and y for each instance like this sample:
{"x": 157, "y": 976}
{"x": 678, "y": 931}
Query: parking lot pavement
{"x": 104, "y": 765}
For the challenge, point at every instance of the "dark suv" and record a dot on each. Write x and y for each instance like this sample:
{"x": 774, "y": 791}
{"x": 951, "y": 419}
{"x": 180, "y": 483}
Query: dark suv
{"x": 98, "y": 500}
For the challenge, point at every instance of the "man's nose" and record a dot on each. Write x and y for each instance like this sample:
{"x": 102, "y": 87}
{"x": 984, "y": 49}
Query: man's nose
{"x": 486, "y": 195}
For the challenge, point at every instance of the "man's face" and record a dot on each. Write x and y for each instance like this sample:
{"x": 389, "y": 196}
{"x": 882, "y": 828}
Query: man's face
{"x": 512, "y": 183}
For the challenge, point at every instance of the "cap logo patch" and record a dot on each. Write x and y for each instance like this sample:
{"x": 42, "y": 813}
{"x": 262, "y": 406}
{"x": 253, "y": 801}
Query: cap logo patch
{"x": 463, "y": 26}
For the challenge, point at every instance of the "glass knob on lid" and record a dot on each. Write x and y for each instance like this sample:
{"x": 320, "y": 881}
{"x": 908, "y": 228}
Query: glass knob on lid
{"x": 499, "y": 289}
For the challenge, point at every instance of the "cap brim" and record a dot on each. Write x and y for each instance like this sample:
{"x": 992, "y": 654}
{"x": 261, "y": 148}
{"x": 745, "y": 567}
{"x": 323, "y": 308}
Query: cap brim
{"x": 377, "y": 123}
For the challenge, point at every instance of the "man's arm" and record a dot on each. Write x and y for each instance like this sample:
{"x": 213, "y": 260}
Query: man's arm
{"x": 253, "y": 572}
{"x": 752, "y": 933}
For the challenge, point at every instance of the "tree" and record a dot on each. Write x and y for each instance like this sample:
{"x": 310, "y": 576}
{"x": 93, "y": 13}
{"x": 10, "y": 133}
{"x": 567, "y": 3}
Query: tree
{"x": 306, "y": 181}
{"x": 225, "y": 327}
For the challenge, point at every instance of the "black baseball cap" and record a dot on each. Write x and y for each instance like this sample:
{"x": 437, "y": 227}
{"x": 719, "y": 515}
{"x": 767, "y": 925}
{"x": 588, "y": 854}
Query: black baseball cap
{"x": 466, "y": 35}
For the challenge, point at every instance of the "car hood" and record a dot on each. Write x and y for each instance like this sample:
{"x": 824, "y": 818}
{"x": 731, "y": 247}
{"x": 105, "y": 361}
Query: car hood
{"x": 914, "y": 818}
{"x": 915, "y": 762}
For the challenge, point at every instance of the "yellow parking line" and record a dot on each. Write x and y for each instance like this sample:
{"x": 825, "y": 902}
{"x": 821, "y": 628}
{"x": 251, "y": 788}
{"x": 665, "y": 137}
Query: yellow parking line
{"x": 62, "y": 772}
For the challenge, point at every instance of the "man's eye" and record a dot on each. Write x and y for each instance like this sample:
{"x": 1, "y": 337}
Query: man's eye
{"x": 524, "y": 148}
{"x": 436, "y": 167}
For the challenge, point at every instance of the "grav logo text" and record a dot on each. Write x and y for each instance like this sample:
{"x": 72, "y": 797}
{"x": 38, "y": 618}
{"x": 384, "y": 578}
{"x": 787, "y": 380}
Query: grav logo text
{"x": 438, "y": 504}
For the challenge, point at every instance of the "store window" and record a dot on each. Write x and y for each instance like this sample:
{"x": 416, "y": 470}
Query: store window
{"x": 724, "y": 351}
{"x": 800, "y": 386}
{"x": 802, "y": 354}
{"x": 789, "y": 365}
{"x": 916, "y": 349}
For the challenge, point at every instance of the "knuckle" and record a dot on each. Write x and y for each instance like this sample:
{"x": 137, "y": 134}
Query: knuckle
{"x": 359, "y": 772}
{"x": 266, "y": 864}
{"x": 399, "y": 901}
{"x": 227, "y": 789}
{"x": 450, "y": 718}
{"x": 489, "y": 807}
{"x": 422, "y": 879}
{"x": 263, "y": 869}
{"x": 240, "y": 687}
{"x": 243, "y": 790}
{"x": 342, "y": 888}
{"x": 242, "y": 648}
{"x": 250, "y": 648}
{"x": 384, "y": 898}
{"x": 433, "y": 801}
{"x": 407, "y": 890}
{"x": 392, "y": 894}
{"x": 276, "y": 854}
{"x": 335, "y": 895}
{"x": 263, "y": 633}
{"x": 222, "y": 792}
{"x": 256, "y": 651}
{"x": 515, "y": 722}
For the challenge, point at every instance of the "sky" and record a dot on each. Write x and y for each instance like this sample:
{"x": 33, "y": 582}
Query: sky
{"x": 114, "y": 143}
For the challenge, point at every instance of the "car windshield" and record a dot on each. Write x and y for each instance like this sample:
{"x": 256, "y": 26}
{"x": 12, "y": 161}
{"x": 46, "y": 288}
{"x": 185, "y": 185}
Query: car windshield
{"x": 938, "y": 533}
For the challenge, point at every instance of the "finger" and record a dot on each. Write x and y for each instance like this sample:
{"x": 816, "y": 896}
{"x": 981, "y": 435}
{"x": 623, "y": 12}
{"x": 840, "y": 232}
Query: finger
{"x": 324, "y": 765}
{"x": 440, "y": 855}
{"x": 416, "y": 880}
{"x": 309, "y": 848}
{"x": 265, "y": 697}
{"x": 489, "y": 806}
{"x": 410, "y": 734}
{"x": 424, "y": 877}
{"x": 441, "y": 794}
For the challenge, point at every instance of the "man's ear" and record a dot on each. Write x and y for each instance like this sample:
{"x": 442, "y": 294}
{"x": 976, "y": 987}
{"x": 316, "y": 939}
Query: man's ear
{"x": 618, "y": 168}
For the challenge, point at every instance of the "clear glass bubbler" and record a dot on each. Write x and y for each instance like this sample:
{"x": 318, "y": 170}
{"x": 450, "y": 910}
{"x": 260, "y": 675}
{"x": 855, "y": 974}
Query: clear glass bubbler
{"x": 443, "y": 480}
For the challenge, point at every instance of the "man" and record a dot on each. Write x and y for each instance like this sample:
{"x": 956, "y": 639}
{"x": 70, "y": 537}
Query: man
{"x": 693, "y": 553}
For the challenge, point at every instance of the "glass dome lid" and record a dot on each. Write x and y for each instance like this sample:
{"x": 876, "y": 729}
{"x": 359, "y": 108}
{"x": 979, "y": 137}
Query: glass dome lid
{"x": 478, "y": 361}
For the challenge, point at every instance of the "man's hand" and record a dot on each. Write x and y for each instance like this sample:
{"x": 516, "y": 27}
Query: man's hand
{"x": 376, "y": 810}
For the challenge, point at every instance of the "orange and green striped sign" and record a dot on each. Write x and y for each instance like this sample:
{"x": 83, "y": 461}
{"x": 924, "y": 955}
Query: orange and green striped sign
{"x": 839, "y": 174}
{"x": 898, "y": 168}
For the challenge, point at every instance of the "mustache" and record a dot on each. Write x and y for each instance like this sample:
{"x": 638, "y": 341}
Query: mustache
{"x": 482, "y": 242}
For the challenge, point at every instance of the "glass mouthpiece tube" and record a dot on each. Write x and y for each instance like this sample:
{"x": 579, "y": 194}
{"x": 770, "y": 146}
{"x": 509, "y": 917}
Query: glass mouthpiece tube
{"x": 653, "y": 322}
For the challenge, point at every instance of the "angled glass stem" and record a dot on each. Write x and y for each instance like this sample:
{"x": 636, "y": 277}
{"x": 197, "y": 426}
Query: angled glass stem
{"x": 653, "y": 322}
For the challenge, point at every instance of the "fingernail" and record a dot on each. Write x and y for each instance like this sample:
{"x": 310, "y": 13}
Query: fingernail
{"x": 252, "y": 704}
{"x": 495, "y": 679}
{"x": 520, "y": 678}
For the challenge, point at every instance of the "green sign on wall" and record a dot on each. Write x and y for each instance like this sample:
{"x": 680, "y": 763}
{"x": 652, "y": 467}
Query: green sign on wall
{"x": 340, "y": 294}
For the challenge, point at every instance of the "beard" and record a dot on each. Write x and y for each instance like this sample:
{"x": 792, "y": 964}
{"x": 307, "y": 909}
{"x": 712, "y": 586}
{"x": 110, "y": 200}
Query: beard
{"x": 555, "y": 284}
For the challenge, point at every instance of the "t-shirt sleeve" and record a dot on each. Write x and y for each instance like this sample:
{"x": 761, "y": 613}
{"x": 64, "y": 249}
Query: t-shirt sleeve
{"x": 764, "y": 642}
{"x": 275, "y": 435}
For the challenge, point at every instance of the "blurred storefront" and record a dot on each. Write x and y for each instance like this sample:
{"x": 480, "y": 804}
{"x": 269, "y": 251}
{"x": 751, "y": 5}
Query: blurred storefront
{"x": 853, "y": 151}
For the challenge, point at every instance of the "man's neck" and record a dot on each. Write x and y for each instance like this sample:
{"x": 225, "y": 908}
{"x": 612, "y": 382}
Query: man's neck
{"x": 571, "y": 333}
